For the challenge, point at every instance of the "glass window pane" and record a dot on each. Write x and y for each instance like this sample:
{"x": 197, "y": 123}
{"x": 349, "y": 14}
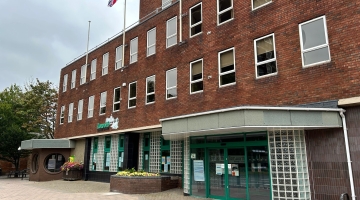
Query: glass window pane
{"x": 317, "y": 55}
{"x": 134, "y": 45}
{"x": 227, "y": 59}
{"x": 171, "y": 41}
{"x": 196, "y": 71}
{"x": 172, "y": 93}
{"x": 198, "y": 86}
{"x": 151, "y": 37}
{"x": 225, "y": 138}
{"x": 132, "y": 103}
{"x": 313, "y": 34}
{"x": 225, "y": 16}
{"x": 198, "y": 187}
{"x": 265, "y": 49}
{"x": 224, "y": 4}
{"x": 171, "y": 78}
{"x": 196, "y": 15}
{"x": 171, "y": 27}
{"x": 227, "y": 79}
{"x": 132, "y": 90}
{"x": 266, "y": 68}
{"x": 150, "y": 98}
{"x": 150, "y": 84}
{"x": 257, "y": 3}
{"x": 151, "y": 50}
{"x": 117, "y": 95}
{"x": 196, "y": 29}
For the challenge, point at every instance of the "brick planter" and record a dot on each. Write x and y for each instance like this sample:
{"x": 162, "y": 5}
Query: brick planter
{"x": 72, "y": 175}
{"x": 141, "y": 185}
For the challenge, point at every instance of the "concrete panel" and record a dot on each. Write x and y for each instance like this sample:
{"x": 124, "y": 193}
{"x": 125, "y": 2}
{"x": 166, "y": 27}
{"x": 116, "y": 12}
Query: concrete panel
{"x": 277, "y": 118}
{"x": 231, "y": 119}
{"x": 254, "y": 118}
{"x": 79, "y": 150}
{"x": 306, "y": 118}
{"x": 203, "y": 122}
{"x": 175, "y": 126}
{"x": 331, "y": 119}
{"x": 26, "y": 144}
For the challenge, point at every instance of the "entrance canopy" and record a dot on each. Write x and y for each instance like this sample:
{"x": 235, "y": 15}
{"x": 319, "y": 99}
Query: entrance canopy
{"x": 249, "y": 119}
{"x": 47, "y": 143}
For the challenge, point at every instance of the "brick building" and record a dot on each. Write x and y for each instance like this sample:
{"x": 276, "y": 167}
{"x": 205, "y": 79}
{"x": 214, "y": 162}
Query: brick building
{"x": 268, "y": 88}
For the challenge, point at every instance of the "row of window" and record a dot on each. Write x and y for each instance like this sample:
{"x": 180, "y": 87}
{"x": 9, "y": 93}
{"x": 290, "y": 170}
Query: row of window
{"x": 314, "y": 48}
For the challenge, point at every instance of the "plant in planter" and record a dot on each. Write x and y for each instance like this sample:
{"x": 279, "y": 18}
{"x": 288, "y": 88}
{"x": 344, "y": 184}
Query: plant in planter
{"x": 72, "y": 170}
{"x": 133, "y": 172}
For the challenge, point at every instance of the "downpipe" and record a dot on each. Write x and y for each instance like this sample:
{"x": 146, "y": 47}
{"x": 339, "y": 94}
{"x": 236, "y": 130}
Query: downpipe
{"x": 353, "y": 196}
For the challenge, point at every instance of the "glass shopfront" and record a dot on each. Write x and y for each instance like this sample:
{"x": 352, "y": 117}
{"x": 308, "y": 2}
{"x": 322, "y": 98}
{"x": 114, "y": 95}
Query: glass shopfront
{"x": 230, "y": 167}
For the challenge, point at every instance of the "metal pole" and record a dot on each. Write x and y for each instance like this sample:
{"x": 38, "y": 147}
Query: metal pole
{"x": 180, "y": 20}
{"x": 87, "y": 46}
{"x": 123, "y": 47}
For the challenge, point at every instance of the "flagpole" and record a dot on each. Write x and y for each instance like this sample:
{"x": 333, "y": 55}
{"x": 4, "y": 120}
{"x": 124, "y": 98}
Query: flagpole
{"x": 87, "y": 46}
{"x": 123, "y": 49}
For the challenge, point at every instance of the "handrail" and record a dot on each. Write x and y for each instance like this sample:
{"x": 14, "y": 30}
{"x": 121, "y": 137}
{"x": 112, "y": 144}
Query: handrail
{"x": 344, "y": 195}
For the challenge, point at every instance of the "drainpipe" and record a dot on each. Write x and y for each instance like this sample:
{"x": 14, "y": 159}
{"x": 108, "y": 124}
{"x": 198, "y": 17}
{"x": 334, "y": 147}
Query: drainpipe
{"x": 348, "y": 155}
{"x": 180, "y": 21}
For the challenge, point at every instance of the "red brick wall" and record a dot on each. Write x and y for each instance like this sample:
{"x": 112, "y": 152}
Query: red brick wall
{"x": 292, "y": 85}
{"x": 6, "y": 167}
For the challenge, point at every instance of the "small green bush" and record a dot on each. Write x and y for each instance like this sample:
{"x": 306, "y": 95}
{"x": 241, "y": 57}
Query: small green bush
{"x": 133, "y": 172}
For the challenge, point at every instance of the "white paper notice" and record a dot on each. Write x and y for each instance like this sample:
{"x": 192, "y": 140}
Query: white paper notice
{"x": 199, "y": 170}
{"x": 166, "y": 167}
{"x": 219, "y": 168}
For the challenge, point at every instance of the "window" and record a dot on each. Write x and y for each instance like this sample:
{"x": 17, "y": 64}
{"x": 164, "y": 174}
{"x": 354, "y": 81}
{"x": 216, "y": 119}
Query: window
{"x": 53, "y": 162}
{"x": 150, "y": 89}
{"x": 151, "y": 41}
{"x": 118, "y": 62}
{"x": 225, "y": 11}
{"x": 165, "y": 155}
{"x": 265, "y": 56}
{"x": 91, "y": 107}
{"x": 80, "y": 109}
{"x": 259, "y": 3}
{"x": 95, "y": 150}
{"x": 195, "y": 20}
{"x": 65, "y": 82}
{"x": 102, "y": 103}
{"x": 116, "y": 104}
{"x": 93, "y": 70}
{"x": 146, "y": 152}
{"x": 107, "y": 157}
{"x": 196, "y": 76}
{"x": 35, "y": 163}
{"x": 83, "y": 75}
{"x": 171, "y": 83}
{"x": 314, "y": 42}
{"x": 121, "y": 153}
{"x": 73, "y": 79}
{"x": 62, "y": 115}
{"x": 226, "y": 67}
{"x": 133, "y": 50}
{"x": 105, "y": 64}
{"x": 132, "y": 95}
{"x": 166, "y": 3}
{"x": 70, "y": 115}
{"x": 171, "y": 32}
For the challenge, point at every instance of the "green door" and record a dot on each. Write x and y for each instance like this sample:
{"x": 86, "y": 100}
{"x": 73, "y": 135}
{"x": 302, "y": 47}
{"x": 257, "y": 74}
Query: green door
{"x": 238, "y": 173}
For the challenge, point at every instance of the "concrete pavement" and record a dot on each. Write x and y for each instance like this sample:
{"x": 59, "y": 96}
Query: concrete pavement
{"x": 17, "y": 189}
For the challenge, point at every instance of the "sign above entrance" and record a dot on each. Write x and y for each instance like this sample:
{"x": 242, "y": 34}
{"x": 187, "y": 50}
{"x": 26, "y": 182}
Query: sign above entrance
{"x": 109, "y": 123}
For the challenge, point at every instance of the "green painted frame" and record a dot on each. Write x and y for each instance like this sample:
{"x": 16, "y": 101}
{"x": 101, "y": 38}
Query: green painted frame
{"x": 106, "y": 150}
{"x": 120, "y": 149}
{"x": 145, "y": 148}
{"x": 95, "y": 150}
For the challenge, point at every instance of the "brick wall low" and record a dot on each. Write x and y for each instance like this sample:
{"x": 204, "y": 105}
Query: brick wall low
{"x": 141, "y": 185}
{"x": 6, "y": 167}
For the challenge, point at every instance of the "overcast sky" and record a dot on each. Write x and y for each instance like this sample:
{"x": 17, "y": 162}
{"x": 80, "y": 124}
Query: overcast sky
{"x": 38, "y": 38}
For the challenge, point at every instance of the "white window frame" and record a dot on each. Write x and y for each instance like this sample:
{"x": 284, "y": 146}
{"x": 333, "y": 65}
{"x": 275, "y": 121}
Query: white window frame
{"x": 266, "y": 61}
{"x": 134, "y": 54}
{"x": 91, "y": 106}
{"x": 223, "y": 11}
{"x": 193, "y": 25}
{"x": 62, "y": 115}
{"x": 150, "y": 45}
{"x": 265, "y": 4}
{"x": 83, "y": 75}
{"x": 116, "y": 102}
{"x": 93, "y": 70}
{"x": 71, "y": 112}
{"x": 103, "y": 96}
{"x": 135, "y": 82}
{"x": 105, "y": 65}
{"x": 169, "y": 88}
{"x": 118, "y": 57}
{"x": 73, "y": 79}
{"x": 170, "y": 36}
{"x": 316, "y": 47}
{"x": 202, "y": 74}
{"x": 151, "y": 93}
{"x": 80, "y": 109}
{"x": 228, "y": 72}
{"x": 65, "y": 82}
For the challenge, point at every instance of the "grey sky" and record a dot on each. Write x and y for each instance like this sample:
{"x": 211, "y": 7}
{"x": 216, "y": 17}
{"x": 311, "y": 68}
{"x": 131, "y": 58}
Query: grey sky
{"x": 38, "y": 38}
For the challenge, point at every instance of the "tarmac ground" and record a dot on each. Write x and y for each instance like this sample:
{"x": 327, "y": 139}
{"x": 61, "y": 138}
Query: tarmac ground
{"x": 17, "y": 189}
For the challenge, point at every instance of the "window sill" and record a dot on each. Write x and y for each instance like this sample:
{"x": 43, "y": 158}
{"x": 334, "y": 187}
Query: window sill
{"x": 116, "y": 111}
{"x": 254, "y": 9}
{"x": 229, "y": 20}
{"x": 171, "y": 98}
{"x": 197, "y": 92}
{"x": 230, "y": 84}
{"x": 197, "y": 34}
{"x": 132, "y": 107}
{"x": 316, "y": 64}
{"x": 150, "y": 103}
{"x": 267, "y": 75}
{"x": 148, "y": 56}
{"x": 172, "y": 45}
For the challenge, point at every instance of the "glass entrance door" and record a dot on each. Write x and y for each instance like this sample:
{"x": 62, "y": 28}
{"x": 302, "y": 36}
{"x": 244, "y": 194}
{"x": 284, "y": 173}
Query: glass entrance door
{"x": 237, "y": 173}
{"x": 217, "y": 172}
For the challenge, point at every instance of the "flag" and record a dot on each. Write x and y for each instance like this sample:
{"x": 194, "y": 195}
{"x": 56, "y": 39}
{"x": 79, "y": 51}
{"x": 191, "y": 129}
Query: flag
{"x": 111, "y": 3}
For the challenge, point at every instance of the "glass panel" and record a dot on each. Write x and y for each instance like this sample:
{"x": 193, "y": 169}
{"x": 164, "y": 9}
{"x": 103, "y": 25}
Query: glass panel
{"x": 265, "y": 49}
{"x": 165, "y": 161}
{"x": 196, "y": 71}
{"x": 172, "y": 93}
{"x": 313, "y": 34}
{"x": 237, "y": 173}
{"x": 196, "y": 29}
{"x": 315, "y": 56}
{"x": 196, "y": 15}
{"x": 226, "y": 138}
{"x": 150, "y": 98}
{"x": 117, "y": 95}
{"x": 132, "y": 90}
{"x": 121, "y": 161}
{"x": 134, "y": 46}
{"x": 107, "y": 142}
{"x": 150, "y": 84}
{"x": 171, "y": 41}
{"x": 132, "y": 103}
{"x": 152, "y": 37}
{"x": 171, "y": 27}
{"x": 227, "y": 79}
{"x": 107, "y": 161}
{"x": 227, "y": 61}
{"x": 217, "y": 172}
{"x": 267, "y": 68}
{"x": 258, "y": 172}
{"x": 198, "y": 186}
{"x": 146, "y": 161}
{"x": 197, "y": 140}
{"x": 226, "y": 16}
{"x": 223, "y": 4}
{"x": 198, "y": 86}
{"x": 171, "y": 78}
{"x": 151, "y": 50}
{"x": 258, "y": 3}
{"x": 256, "y": 137}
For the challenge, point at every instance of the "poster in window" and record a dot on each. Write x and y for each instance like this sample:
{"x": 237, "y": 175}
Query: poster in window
{"x": 59, "y": 158}
{"x": 163, "y": 160}
{"x": 51, "y": 163}
{"x": 146, "y": 157}
{"x": 219, "y": 168}
{"x": 107, "y": 164}
{"x": 168, "y": 160}
{"x": 199, "y": 170}
{"x": 166, "y": 168}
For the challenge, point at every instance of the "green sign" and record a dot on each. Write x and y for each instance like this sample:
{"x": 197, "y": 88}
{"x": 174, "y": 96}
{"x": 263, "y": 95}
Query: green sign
{"x": 103, "y": 126}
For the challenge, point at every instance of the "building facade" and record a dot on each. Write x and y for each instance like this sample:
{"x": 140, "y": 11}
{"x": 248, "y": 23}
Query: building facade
{"x": 268, "y": 88}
